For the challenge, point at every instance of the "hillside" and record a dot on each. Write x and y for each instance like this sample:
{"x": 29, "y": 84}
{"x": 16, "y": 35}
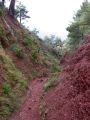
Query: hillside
{"x": 70, "y": 99}
{"x": 34, "y": 83}
{"x": 22, "y": 59}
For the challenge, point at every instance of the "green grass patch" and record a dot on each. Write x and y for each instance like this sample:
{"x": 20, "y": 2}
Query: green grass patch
{"x": 35, "y": 55}
{"x": 52, "y": 81}
{"x": 55, "y": 68}
{"x": 12, "y": 88}
{"x": 27, "y": 40}
{"x": 6, "y": 88}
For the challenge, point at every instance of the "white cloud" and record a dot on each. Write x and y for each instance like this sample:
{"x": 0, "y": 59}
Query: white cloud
{"x": 51, "y": 16}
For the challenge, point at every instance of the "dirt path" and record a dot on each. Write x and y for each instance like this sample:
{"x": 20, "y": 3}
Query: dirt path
{"x": 30, "y": 109}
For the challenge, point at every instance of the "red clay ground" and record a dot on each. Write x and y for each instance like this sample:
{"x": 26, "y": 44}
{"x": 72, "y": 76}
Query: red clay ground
{"x": 70, "y": 100}
{"x": 30, "y": 109}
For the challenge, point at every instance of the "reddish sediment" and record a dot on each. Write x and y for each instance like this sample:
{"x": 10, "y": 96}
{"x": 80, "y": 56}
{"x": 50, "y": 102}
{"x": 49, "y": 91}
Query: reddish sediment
{"x": 70, "y": 100}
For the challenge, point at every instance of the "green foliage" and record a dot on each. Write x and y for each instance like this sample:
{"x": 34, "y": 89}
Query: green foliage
{"x": 54, "y": 45}
{"x": 1, "y": 12}
{"x": 17, "y": 50}
{"x": 75, "y": 35}
{"x": 6, "y": 107}
{"x": 3, "y": 37}
{"x": 80, "y": 27}
{"x": 5, "y": 111}
{"x": 13, "y": 74}
{"x": 6, "y": 88}
{"x": 27, "y": 40}
{"x": 50, "y": 83}
{"x": 34, "y": 55}
{"x": 12, "y": 88}
{"x": 21, "y": 12}
{"x": 23, "y": 84}
{"x": 55, "y": 68}
{"x": 52, "y": 41}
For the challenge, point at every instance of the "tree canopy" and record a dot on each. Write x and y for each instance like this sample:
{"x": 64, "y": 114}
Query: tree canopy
{"x": 21, "y": 12}
{"x": 80, "y": 26}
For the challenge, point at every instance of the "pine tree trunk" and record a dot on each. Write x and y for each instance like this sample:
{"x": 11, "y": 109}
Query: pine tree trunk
{"x": 12, "y": 8}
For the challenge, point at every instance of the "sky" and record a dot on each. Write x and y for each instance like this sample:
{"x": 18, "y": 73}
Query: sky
{"x": 51, "y": 16}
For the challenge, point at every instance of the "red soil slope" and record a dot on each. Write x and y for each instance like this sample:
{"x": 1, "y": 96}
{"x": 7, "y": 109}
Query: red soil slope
{"x": 70, "y": 100}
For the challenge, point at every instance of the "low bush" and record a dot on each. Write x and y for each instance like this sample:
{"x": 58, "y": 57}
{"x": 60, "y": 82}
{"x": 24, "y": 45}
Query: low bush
{"x": 6, "y": 88}
{"x": 55, "y": 68}
{"x": 17, "y": 50}
{"x": 27, "y": 40}
{"x": 34, "y": 55}
{"x": 50, "y": 83}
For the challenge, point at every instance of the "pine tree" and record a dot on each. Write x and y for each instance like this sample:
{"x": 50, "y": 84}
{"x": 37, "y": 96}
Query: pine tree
{"x": 21, "y": 12}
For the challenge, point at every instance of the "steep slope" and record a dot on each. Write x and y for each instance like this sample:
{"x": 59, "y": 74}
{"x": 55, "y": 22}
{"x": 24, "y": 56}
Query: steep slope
{"x": 22, "y": 58}
{"x": 12, "y": 85}
{"x": 70, "y": 99}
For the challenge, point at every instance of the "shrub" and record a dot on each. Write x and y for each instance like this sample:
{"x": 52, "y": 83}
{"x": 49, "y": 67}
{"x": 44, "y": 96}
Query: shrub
{"x": 3, "y": 39}
{"x": 6, "y": 88}
{"x": 27, "y": 40}
{"x": 34, "y": 55}
{"x": 55, "y": 68}
{"x": 6, "y": 107}
{"x": 23, "y": 84}
{"x": 1, "y": 12}
{"x": 18, "y": 51}
{"x": 50, "y": 83}
{"x": 4, "y": 112}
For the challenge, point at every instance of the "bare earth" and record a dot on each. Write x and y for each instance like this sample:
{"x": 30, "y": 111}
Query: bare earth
{"x": 30, "y": 109}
